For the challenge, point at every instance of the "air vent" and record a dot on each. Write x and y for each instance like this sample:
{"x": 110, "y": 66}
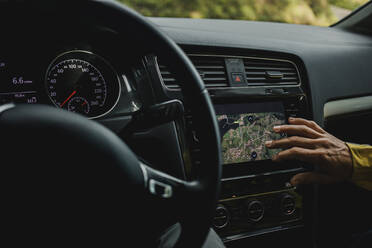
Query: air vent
{"x": 211, "y": 69}
{"x": 270, "y": 72}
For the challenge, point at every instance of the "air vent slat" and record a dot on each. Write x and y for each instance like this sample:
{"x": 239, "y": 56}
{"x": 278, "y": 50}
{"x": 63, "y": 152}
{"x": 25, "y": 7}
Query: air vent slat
{"x": 173, "y": 86}
{"x": 270, "y": 72}
{"x": 169, "y": 80}
{"x": 163, "y": 73}
{"x": 215, "y": 85}
{"x": 206, "y": 59}
{"x": 211, "y": 69}
{"x": 213, "y": 73}
{"x": 278, "y": 83}
{"x": 290, "y": 78}
{"x": 268, "y": 68}
{"x": 214, "y": 79}
{"x": 258, "y": 73}
{"x": 290, "y": 74}
{"x": 265, "y": 79}
{"x": 256, "y": 79}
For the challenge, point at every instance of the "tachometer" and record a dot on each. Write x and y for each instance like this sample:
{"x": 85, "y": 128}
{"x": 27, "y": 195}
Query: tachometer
{"x": 83, "y": 82}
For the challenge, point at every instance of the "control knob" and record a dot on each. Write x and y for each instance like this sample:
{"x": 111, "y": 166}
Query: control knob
{"x": 221, "y": 218}
{"x": 255, "y": 210}
{"x": 288, "y": 204}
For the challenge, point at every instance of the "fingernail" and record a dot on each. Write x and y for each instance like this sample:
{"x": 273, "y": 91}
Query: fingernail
{"x": 268, "y": 143}
{"x": 276, "y": 128}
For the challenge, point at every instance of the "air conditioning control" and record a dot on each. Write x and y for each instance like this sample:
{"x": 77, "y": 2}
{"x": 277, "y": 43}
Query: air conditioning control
{"x": 287, "y": 204}
{"x": 255, "y": 210}
{"x": 221, "y": 218}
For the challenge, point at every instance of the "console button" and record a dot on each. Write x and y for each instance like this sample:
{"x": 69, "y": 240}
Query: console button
{"x": 255, "y": 210}
{"x": 288, "y": 204}
{"x": 237, "y": 78}
{"x": 221, "y": 218}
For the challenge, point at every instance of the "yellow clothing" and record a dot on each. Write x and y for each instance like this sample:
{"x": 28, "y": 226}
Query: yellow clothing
{"x": 362, "y": 165}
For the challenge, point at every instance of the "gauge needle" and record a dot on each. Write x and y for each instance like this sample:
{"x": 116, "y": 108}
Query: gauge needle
{"x": 68, "y": 98}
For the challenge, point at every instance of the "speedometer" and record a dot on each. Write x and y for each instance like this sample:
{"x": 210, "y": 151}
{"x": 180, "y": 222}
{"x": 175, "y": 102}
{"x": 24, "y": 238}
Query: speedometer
{"x": 83, "y": 82}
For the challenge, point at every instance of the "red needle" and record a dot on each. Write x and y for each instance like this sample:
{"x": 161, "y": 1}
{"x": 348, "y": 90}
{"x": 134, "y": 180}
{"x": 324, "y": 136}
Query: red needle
{"x": 68, "y": 98}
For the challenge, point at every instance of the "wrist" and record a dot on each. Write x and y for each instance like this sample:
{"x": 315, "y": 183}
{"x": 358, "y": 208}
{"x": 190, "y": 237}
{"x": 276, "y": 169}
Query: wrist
{"x": 349, "y": 162}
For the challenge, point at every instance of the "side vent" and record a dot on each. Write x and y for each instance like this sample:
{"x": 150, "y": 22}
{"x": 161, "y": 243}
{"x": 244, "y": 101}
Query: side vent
{"x": 270, "y": 72}
{"x": 211, "y": 69}
{"x": 167, "y": 76}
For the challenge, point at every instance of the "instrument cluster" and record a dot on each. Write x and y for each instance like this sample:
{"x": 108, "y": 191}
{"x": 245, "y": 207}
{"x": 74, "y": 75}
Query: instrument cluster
{"x": 77, "y": 80}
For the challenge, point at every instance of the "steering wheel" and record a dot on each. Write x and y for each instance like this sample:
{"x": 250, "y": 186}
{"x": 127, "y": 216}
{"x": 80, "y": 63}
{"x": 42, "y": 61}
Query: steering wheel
{"x": 77, "y": 179}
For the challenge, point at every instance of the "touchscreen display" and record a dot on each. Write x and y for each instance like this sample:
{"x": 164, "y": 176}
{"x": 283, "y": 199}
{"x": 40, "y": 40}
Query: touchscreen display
{"x": 246, "y": 127}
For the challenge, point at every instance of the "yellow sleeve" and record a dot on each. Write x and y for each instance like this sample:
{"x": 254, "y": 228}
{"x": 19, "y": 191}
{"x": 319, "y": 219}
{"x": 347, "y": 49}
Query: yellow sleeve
{"x": 362, "y": 165}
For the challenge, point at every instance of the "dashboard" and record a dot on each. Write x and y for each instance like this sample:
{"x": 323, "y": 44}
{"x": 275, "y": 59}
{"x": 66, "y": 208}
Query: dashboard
{"x": 326, "y": 66}
{"x": 258, "y": 75}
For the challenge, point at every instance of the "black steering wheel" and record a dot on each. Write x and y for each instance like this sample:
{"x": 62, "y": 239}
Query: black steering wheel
{"x": 68, "y": 177}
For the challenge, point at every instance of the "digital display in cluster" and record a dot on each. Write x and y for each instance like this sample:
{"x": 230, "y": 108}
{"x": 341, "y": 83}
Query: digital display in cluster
{"x": 15, "y": 85}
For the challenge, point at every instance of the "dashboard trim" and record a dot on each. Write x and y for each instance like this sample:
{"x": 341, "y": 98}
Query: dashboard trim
{"x": 261, "y": 232}
{"x": 295, "y": 170}
{"x": 347, "y": 106}
{"x": 257, "y": 194}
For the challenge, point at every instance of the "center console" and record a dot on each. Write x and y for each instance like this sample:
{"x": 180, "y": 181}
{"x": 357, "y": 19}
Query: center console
{"x": 256, "y": 195}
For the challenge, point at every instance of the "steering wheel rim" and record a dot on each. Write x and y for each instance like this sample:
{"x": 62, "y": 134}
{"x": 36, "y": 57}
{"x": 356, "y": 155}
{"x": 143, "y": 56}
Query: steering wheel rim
{"x": 202, "y": 193}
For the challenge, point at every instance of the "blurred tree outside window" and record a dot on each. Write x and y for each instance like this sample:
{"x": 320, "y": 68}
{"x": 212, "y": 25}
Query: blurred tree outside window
{"x": 310, "y": 12}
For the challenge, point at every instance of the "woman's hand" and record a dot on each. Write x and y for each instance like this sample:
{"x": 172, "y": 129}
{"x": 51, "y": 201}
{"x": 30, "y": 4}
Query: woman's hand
{"x": 308, "y": 142}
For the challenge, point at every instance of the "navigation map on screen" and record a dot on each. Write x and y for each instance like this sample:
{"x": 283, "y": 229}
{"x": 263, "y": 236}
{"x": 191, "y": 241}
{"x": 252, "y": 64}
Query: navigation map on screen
{"x": 244, "y": 135}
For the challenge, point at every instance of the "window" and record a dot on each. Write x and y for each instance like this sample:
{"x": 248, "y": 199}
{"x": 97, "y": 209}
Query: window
{"x": 309, "y": 12}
